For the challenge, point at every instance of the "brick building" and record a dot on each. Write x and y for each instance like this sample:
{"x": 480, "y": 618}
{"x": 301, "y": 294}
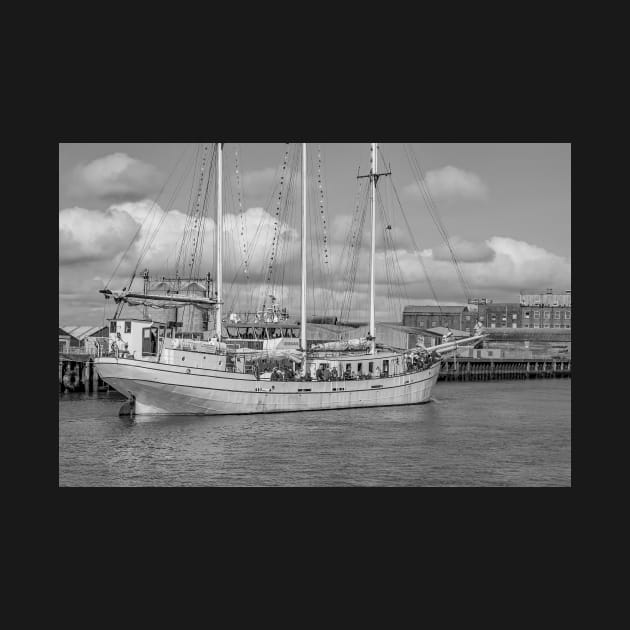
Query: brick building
{"x": 500, "y": 315}
{"x": 546, "y": 310}
{"x": 533, "y": 310}
{"x": 458, "y": 317}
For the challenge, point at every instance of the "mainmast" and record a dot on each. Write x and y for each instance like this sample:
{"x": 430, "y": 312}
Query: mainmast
{"x": 303, "y": 295}
{"x": 219, "y": 237}
{"x": 373, "y": 176}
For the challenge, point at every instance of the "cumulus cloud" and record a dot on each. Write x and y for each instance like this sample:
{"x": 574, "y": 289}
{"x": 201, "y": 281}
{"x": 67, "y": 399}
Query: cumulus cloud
{"x": 86, "y": 235}
{"x": 514, "y": 265}
{"x": 94, "y": 235}
{"x": 91, "y": 244}
{"x": 115, "y": 178}
{"x": 465, "y": 251}
{"x": 450, "y": 182}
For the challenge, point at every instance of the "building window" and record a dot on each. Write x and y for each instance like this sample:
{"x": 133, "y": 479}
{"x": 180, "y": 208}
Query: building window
{"x": 567, "y": 326}
{"x": 547, "y": 314}
{"x": 493, "y": 325}
{"x": 434, "y": 324}
{"x": 567, "y": 314}
{"x": 556, "y": 314}
{"x": 513, "y": 325}
{"x": 547, "y": 326}
{"x": 514, "y": 317}
{"x": 504, "y": 318}
{"x": 112, "y": 327}
{"x": 536, "y": 314}
{"x": 536, "y": 325}
{"x": 421, "y": 323}
{"x": 526, "y": 314}
{"x": 467, "y": 318}
{"x": 371, "y": 367}
{"x": 127, "y": 327}
{"x": 467, "y": 330}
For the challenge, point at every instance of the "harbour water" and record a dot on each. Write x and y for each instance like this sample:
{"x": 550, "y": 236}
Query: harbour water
{"x": 499, "y": 433}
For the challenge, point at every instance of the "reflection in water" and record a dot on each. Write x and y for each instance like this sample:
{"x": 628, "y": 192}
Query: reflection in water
{"x": 498, "y": 433}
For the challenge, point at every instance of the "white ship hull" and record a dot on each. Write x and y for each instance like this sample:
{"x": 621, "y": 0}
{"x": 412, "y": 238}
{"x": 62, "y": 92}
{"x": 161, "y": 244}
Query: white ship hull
{"x": 159, "y": 388}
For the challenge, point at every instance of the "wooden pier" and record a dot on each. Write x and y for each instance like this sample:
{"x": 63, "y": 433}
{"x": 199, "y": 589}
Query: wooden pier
{"x": 77, "y": 374}
{"x": 465, "y": 369}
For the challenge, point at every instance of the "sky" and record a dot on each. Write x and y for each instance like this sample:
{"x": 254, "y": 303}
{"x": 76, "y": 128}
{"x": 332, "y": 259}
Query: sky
{"x": 506, "y": 208}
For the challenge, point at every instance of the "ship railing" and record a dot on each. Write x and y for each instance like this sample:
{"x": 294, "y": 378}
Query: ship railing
{"x": 190, "y": 344}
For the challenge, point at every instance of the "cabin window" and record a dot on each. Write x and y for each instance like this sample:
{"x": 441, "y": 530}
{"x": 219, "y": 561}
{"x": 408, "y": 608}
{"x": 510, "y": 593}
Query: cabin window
{"x": 359, "y": 367}
{"x": 112, "y": 327}
{"x": 127, "y": 327}
{"x": 371, "y": 367}
{"x": 348, "y": 367}
{"x": 386, "y": 367}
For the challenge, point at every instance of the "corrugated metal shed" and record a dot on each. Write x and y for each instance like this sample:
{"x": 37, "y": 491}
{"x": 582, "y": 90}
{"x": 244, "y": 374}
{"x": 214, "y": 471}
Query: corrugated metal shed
{"x": 81, "y": 332}
{"x": 441, "y": 330}
{"x": 435, "y": 309}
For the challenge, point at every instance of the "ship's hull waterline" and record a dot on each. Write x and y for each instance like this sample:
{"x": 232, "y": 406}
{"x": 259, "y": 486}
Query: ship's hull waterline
{"x": 163, "y": 389}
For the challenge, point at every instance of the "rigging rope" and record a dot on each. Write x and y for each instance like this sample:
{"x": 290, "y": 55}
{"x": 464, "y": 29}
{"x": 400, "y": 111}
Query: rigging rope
{"x": 420, "y": 178}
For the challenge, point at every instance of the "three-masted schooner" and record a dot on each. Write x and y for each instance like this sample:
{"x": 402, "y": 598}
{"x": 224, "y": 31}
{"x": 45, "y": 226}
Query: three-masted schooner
{"x": 213, "y": 377}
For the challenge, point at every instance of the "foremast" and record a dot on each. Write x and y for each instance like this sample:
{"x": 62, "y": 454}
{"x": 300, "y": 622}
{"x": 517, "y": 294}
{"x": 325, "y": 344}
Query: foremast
{"x": 303, "y": 290}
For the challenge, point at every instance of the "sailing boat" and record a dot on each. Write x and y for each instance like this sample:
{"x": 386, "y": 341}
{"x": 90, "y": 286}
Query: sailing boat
{"x": 220, "y": 376}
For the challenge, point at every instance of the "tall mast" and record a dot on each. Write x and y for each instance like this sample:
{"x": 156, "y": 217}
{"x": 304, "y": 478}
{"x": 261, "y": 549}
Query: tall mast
{"x": 219, "y": 237}
{"x": 303, "y": 296}
{"x": 373, "y": 176}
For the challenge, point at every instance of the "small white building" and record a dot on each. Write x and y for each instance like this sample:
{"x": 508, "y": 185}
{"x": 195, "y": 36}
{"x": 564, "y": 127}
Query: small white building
{"x": 137, "y": 337}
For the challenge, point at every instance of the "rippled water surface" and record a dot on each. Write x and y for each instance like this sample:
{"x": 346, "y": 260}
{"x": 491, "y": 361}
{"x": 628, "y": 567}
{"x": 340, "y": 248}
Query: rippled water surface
{"x": 471, "y": 434}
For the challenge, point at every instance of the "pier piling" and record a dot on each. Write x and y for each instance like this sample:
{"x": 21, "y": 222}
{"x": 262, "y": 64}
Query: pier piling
{"x": 468, "y": 369}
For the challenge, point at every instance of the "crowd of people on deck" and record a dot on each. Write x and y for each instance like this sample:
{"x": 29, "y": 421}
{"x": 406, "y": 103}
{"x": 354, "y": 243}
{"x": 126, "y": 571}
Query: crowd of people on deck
{"x": 414, "y": 363}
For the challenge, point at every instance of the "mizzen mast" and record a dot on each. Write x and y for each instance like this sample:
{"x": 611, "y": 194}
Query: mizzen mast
{"x": 374, "y": 175}
{"x": 373, "y": 172}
